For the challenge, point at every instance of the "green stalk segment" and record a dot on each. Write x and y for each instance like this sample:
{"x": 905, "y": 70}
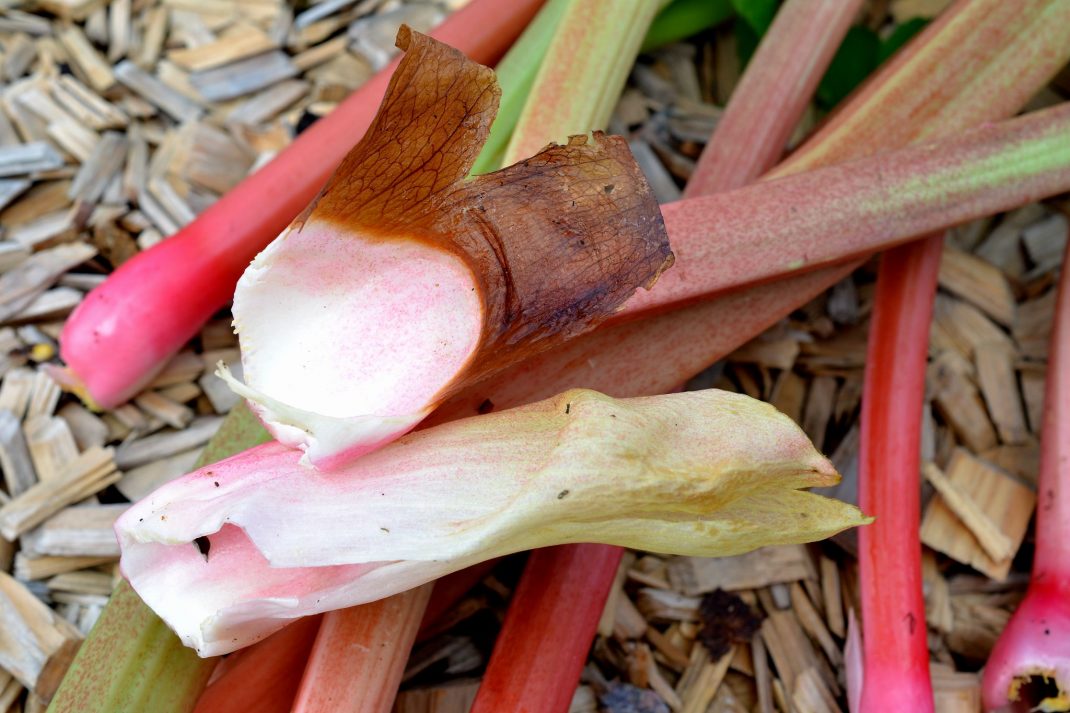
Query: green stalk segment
{"x": 131, "y": 662}
{"x": 516, "y": 75}
{"x": 583, "y": 73}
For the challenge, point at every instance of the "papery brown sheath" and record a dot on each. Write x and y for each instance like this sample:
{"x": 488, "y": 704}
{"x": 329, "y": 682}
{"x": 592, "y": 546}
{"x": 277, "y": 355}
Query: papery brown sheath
{"x": 403, "y": 282}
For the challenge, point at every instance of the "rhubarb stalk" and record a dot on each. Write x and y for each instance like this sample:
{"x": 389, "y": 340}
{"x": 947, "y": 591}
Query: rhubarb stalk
{"x": 124, "y": 332}
{"x": 895, "y": 658}
{"x": 554, "y": 614}
{"x": 1029, "y": 668}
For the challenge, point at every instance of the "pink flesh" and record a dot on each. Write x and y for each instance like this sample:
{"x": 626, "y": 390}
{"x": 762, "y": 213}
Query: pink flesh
{"x": 346, "y": 327}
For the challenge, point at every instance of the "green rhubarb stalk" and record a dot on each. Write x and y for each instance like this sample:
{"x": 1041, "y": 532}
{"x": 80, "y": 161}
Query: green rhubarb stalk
{"x": 583, "y": 73}
{"x": 516, "y": 75}
{"x": 131, "y": 662}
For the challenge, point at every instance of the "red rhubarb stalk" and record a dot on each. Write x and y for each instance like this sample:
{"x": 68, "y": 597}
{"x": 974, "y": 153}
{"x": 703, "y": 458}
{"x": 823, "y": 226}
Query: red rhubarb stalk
{"x": 264, "y": 677}
{"x": 772, "y": 94}
{"x": 331, "y": 680}
{"x": 1029, "y": 668}
{"x": 895, "y": 658}
{"x": 551, "y": 622}
{"x": 554, "y": 614}
{"x": 125, "y": 330}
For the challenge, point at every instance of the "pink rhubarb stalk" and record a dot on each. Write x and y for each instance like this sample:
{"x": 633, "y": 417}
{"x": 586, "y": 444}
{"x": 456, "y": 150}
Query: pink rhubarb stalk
{"x": 229, "y": 553}
{"x": 895, "y": 659}
{"x": 125, "y": 330}
{"x": 772, "y": 94}
{"x": 1029, "y": 668}
{"x": 331, "y": 679}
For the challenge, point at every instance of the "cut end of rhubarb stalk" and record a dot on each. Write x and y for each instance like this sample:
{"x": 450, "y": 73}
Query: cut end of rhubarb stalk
{"x": 1029, "y": 668}
{"x": 403, "y": 281}
{"x": 230, "y": 553}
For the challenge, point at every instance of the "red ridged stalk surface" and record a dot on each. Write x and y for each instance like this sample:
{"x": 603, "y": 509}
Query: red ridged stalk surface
{"x": 264, "y": 677}
{"x": 1036, "y": 643}
{"x": 894, "y": 635}
{"x": 124, "y": 331}
{"x": 554, "y": 614}
{"x": 551, "y": 622}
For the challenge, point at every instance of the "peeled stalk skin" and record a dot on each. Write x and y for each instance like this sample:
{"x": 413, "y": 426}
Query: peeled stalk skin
{"x": 541, "y": 649}
{"x": 125, "y": 330}
{"x": 894, "y": 634}
{"x": 772, "y": 94}
{"x": 1035, "y": 644}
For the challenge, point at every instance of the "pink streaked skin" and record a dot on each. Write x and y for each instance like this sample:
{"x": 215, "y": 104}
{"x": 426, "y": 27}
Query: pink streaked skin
{"x": 346, "y": 338}
{"x": 697, "y": 473}
{"x": 774, "y": 228}
{"x": 1035, "y": 645}
{"x": 771, "y": 96}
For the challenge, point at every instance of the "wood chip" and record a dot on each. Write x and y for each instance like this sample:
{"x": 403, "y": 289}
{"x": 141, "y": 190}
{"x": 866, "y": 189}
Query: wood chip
{"x": 51, "y": 445}
{"x": 979, "y": 283}
{"x": 162, "y": 445}
{"x": 760, "y": 568}
{"x": 240, "y": 41}
{"x": 88, "y": 429}
{"x": 174, "y": 104}
{"x": 999, "y": 386}
{"x": 32, "y": 568}
{"x": 20, "y": 286}
{"x": 104, "y": 163}
{"x": 83, "y": 531}
{"x": 173, "y": 414}
{"x": 85, "y": 60}
{"x": 32, "y": 157}
{"x": 89, "y": 473}
{"x": 243, "y": 77}
{"x": 37, "y": 645}
{"x": 1005, "y": 501}
{"x": 19, "y": 475}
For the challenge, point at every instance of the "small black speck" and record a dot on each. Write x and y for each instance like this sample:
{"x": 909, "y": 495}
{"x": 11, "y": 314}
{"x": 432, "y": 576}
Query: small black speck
{"x": 384, "y": 529}
{"x": 204, "y": 545}
{"x": 612, "y": 415}
{"x": 1047, "y": 632}
{"x": 568, "y": 407}
{"x": 215, "y": 483}
{"x": 486, "y": 407}
{"x": 163, "y": 517}
{"x": 608, "y": 189}
{"x": 562, "y": 494}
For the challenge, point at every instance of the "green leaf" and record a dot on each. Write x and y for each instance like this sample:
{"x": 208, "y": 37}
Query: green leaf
{"x": 682, "y": 19}
{"x": 131, "y": 662}
{"x": 758, "y": 14}
{"x": 856, "y": 58}
{"x": 899, "y": 37}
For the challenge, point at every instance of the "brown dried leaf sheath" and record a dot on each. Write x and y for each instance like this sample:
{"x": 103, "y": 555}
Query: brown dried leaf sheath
{"x": 557, "y": 242}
